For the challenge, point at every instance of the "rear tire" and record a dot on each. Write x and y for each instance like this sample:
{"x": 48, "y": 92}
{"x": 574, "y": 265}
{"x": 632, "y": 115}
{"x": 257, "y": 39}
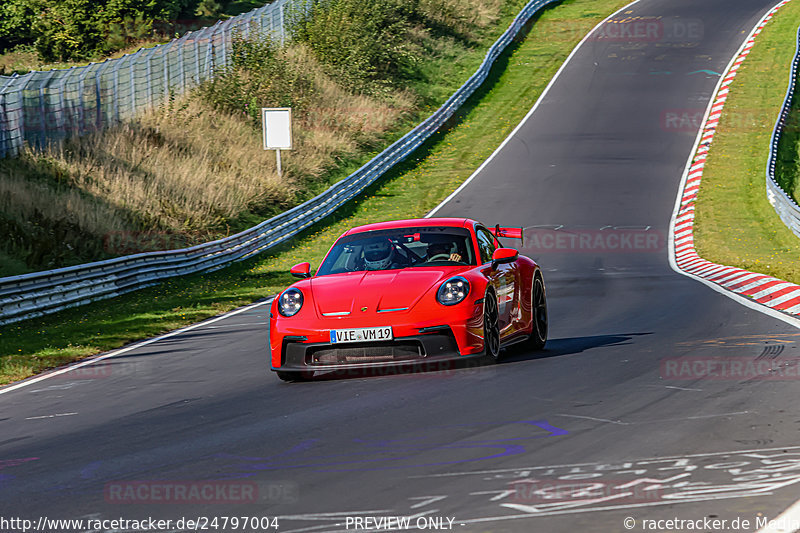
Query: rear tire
{"x": 538, "y": 336}
{"x": 491, "y": 329}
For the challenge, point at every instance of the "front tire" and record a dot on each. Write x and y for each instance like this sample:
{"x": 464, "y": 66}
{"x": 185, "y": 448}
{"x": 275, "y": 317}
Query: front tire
{"x": 538, "y": 336}
{"x": 491, "y": 329}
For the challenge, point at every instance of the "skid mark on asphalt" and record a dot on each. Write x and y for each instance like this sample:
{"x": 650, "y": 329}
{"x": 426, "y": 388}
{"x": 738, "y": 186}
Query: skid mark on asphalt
{"x": 744, "y": 340}
{"x": 8, "y": 463}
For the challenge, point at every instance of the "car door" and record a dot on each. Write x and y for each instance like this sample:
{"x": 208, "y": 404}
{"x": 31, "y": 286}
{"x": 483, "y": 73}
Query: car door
{"x": 504, "y": 281}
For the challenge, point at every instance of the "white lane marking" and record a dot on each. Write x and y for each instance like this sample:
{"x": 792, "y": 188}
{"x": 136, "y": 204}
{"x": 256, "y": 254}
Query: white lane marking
{"x": 793, "y": 321}
{"x": 594, "y": 509}
{"x": 540, "y": 509}
{"x": 49, "y": 416}
{"x": 674, "y": 387}
{"x": 525, "y": 119}
{"x": 698, "y": 417}
{"x": 498, "y": 494}
{"x": 121, "y": 351}
{"x": 790, "y": 517}
{"x": 427, "y": 500}
{"x": 619, "y": 422}
{"x": 236, "y": 325}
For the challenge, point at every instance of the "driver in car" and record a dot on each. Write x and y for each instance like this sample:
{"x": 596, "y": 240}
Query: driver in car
{"x": 380, "y": 254}
{"x": 440, "y": 251}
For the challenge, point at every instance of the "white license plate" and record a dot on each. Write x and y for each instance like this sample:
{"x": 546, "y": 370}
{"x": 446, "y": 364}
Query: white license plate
{"x": 339, "y": 336}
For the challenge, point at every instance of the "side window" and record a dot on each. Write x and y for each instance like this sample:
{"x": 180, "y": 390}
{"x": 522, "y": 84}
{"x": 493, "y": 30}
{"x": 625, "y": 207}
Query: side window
{"x": 485, "y": 244}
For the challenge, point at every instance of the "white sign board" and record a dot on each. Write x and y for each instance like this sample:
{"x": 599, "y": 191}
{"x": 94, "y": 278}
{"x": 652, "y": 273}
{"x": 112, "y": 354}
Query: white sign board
{"x": 277, "y": 128}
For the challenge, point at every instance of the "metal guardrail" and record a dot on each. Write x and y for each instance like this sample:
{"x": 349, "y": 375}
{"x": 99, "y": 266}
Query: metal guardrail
{"x": 784, "y": 204}
{"x": 40, "y": 293}
{"x": 44, "y": 106}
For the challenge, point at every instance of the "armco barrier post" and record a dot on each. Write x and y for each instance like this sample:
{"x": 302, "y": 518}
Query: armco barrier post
{"x": 5, "y": 123}
{"x": 82, "y": 98}
{"x": 43, "y": 110}
{"x": 133, "y": 81}
{"x": 148, "y": 63}
{"x": 98, "y": 91}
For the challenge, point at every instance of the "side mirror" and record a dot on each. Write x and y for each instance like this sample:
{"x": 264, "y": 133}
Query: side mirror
{"x": 502, "y": 256}
{"x": 301, "y": 270}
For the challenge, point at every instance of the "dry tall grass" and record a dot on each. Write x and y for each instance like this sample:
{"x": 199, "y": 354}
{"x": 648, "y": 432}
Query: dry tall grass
{"x": 188, "y": 169}
{"x": 462, "y": 16}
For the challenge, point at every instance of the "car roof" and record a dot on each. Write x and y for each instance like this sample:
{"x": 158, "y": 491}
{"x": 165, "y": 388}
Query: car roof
{"x": 414, "y": 223}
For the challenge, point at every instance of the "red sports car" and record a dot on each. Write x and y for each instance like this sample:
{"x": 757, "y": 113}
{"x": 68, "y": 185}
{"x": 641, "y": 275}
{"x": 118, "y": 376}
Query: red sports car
{"x": 406, "y": 292}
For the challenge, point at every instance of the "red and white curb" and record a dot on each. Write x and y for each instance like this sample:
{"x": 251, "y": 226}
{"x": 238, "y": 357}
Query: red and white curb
{"x": 765, "y": 290}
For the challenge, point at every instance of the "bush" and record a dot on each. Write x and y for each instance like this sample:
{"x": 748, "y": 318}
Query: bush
{"x": 64, "y": 30}
{"x": 16, "y": 22}
{"x": 364, "y": 42}
{"x": 260, "y": 75}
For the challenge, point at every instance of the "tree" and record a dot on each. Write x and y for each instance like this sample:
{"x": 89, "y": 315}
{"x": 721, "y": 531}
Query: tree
{"x": 16, "y": 22}
{"x": 83, "y": 29}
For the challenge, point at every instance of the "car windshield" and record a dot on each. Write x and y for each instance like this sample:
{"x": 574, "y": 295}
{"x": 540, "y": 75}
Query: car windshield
{"x": 399, "y": 248}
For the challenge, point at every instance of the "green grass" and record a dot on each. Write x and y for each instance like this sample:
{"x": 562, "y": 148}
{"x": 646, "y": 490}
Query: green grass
{"x": 735, "y": 223}
{"x": 409, "y": 190}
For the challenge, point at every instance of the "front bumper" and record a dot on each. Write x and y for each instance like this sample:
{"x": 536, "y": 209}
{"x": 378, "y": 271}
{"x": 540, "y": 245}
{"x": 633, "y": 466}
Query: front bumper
{"x": 424, "y": 334}
{"x": 414, "y": 350}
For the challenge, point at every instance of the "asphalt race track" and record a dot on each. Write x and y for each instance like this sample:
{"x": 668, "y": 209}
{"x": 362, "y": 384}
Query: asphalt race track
{"x": 596, "y": 428}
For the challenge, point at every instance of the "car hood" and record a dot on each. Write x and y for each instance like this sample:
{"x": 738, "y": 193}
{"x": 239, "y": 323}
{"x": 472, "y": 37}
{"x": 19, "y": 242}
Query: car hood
{"x": 377, "y": 290}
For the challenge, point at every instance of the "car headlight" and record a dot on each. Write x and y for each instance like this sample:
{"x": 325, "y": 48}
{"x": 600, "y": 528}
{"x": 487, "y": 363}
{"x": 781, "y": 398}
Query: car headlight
{"x": 453, "y": 291}
{"x": 290, "y": 302}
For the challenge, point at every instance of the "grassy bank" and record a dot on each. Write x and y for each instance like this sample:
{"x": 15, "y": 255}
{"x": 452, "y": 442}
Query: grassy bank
{"x": 411, "y": 189}
{"x": 735, "y": 224}
{"x": 194, "y": 170}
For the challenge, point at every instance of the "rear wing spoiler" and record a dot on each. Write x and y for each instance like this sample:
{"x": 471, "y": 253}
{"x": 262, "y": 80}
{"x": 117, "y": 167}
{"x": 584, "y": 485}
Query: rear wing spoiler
{"x": 508, "y": 233}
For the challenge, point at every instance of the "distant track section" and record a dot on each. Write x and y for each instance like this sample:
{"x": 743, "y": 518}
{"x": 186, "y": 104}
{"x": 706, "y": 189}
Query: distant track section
{"x": 766, "y": 290}
{"x": 41, "y": 293}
